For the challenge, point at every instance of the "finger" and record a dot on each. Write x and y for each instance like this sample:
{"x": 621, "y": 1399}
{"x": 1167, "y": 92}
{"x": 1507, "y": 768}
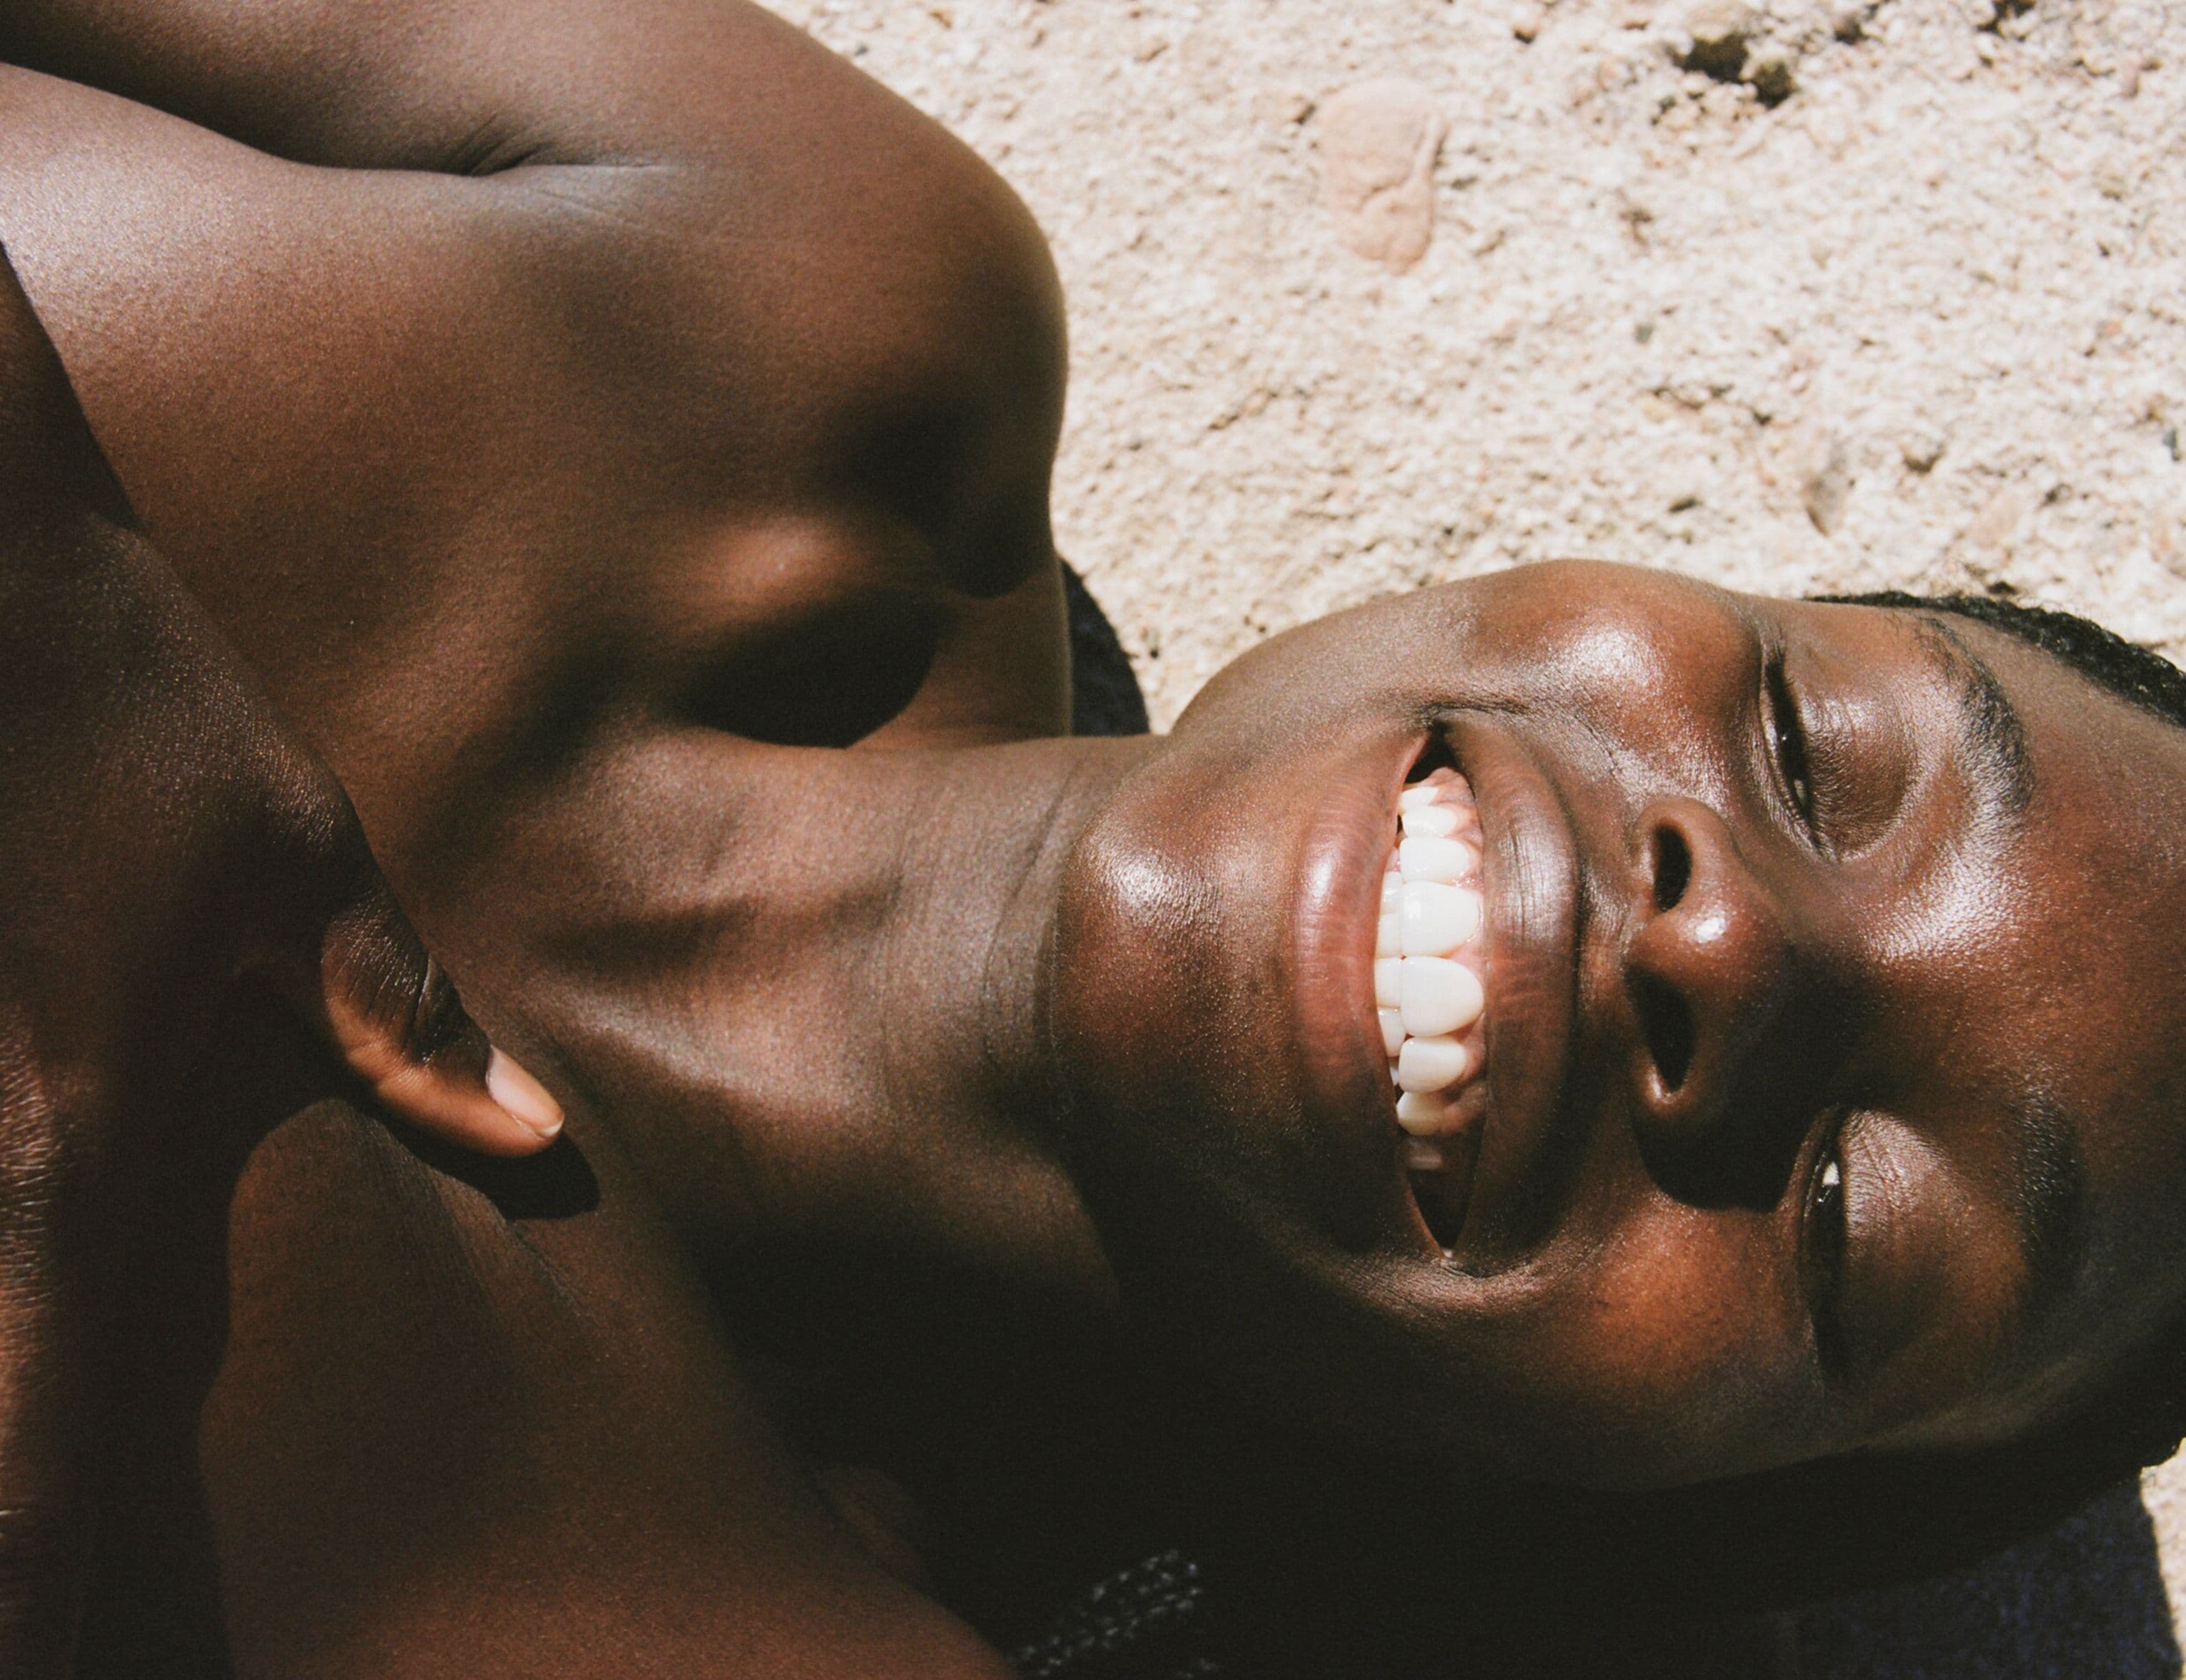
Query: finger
{"x": 49, "y": 460}
{"x": 395, "y": 1016}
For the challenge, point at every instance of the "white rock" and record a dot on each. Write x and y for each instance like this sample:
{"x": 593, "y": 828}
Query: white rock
{"x": 1718, "y": 31}
{"x": 1825, "y": 482}
{"x": 1920, "y": 448}
{"x": 1378, "y": 143}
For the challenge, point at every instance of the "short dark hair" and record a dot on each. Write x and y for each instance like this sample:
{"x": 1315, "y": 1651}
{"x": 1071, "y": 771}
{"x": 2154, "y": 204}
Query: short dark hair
{"x": 2137, "y": 675}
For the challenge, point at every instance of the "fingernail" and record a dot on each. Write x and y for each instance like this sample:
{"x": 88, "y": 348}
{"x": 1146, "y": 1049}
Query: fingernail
{"x": 522, "y": 1097}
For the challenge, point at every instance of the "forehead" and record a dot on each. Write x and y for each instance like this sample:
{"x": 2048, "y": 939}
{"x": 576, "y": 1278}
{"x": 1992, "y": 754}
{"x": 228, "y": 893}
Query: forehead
{"x": 2067, "y": 981}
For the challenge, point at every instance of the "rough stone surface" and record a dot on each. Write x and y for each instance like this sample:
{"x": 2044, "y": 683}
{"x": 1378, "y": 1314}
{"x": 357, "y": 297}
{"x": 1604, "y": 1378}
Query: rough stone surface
{"x": 1954, "y": 255}
{"x": 2163, "y": 1490}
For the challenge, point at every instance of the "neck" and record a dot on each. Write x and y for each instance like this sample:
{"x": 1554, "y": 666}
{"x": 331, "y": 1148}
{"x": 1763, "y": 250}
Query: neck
{"x": 919, "y": 1127}
{"x": 806, "y": 993}
{"x": 808, "y": 989}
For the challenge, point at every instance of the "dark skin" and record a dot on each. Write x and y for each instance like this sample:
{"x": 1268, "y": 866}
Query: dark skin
{"x": 196, "y": 944}
{"x": 1866, "y": 958}
{"x": 581, "y": 461}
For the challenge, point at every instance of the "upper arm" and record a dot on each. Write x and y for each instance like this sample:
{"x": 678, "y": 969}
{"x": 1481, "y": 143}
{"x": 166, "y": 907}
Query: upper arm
{"x": 676, "y": 236}
{"x": 646, "y": 333}
{"x": 462, "y": 87}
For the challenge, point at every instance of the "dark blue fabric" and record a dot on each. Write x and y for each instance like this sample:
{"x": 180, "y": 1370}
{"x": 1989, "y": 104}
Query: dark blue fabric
{"x": 2084, "y": 1600}
{"x": 1104, "y": 693}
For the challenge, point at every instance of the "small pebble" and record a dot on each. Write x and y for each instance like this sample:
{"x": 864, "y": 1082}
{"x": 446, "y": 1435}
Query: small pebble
{"x": 1994, "y": 528}
{"x": 2166, "y": 539}
{"x": 1826, "y": 483}
{"x": 1920, "y": 449}
{"x": 1772, "y": 80}
{"x": 1719, "y": 30}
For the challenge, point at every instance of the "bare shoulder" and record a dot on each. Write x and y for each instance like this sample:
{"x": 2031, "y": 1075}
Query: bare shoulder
{"x": 483, "y": 1423}
{"x": 661, "y": 308}
{"x": 678, "y": 233}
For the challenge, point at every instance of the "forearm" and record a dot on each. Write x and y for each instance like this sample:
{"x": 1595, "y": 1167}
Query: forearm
{"x": 109, "y": 715}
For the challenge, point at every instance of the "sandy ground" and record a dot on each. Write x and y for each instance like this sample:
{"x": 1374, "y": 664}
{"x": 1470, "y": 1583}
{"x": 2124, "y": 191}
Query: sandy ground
{"x": 1809, "y": 295}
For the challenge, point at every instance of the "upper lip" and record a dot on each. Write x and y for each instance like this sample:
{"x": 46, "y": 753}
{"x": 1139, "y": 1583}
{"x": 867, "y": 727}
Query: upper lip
{"x": 1530, "y": 880}
{"x": 1342, "y": 1070}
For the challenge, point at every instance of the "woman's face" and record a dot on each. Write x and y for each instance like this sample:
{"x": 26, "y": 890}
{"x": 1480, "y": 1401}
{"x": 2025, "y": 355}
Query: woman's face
{"x": 1836, "y": 1028}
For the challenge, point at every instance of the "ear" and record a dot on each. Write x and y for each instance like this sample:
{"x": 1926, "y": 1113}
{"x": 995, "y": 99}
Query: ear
{"x": 50, "y": 462}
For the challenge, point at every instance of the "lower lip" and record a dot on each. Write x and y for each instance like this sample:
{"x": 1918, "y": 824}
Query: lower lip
{"x": 1529, "y": 875}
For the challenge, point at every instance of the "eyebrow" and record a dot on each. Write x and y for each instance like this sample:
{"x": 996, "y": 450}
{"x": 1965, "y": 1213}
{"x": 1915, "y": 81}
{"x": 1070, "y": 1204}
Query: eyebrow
{"x": 2049, "y": 1196}
{"x": 2048, "y": 1193}
{"x": 1991, "y": 739}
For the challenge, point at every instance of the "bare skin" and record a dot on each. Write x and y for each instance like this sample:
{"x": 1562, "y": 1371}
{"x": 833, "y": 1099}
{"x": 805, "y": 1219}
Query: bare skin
{"x": 583, "y": 458}
{"x": 828, "y": 479}
{"x": 572, "y": 661}
{"x": 196, "y": 944}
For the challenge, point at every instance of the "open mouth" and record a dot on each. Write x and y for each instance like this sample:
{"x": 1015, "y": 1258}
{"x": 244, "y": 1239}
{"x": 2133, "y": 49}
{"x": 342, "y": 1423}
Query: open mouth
{"x": 1430, "y": 989}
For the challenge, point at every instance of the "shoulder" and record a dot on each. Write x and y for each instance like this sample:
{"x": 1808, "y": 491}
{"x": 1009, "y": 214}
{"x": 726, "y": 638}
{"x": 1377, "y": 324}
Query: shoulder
{"x": 489, "y": 1422}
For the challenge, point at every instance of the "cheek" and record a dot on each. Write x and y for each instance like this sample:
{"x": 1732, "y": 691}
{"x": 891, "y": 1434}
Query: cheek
{"x": 1673, "y": 1355}
{"x": 1606, "y": 660}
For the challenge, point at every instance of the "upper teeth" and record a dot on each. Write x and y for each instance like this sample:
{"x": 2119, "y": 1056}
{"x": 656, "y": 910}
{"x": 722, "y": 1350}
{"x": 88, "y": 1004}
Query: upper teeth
{"x": 1427, "y": 957}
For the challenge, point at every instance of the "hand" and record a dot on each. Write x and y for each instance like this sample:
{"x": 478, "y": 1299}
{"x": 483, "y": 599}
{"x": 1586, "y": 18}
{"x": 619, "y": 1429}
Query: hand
{"x": 161, "y": 832}
{"x": 177, "y": 871}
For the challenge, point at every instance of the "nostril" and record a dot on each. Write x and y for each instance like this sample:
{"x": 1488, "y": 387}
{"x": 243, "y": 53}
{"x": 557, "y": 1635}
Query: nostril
{"x": 1666, "y": 1023}
{"x": 1674, "y": 868}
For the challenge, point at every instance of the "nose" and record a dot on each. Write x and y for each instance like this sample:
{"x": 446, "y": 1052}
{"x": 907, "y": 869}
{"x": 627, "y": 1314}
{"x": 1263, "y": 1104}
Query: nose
{"x": 1707, "y": 968}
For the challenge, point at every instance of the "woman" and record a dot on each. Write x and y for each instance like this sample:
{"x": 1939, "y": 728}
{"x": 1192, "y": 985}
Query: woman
{"x": 618, "y": 442}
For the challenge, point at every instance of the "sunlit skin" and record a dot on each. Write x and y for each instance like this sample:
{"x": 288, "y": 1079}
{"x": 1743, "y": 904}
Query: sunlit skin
{"x": 651, "y": 535}
{"x": 1878, "y": 979}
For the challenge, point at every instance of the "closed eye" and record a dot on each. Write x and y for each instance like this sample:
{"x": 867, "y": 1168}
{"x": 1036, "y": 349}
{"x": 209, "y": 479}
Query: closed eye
{"x": 1822, "y": 1253}
{"x": 1787, "y": 743}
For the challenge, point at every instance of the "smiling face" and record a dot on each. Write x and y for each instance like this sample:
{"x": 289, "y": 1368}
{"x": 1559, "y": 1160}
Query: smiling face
{"x": 1834, "y": 1038}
